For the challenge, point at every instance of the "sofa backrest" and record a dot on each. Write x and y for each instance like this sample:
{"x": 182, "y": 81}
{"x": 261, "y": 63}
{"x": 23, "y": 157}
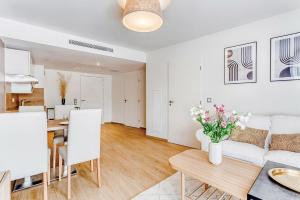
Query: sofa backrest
{"x": 262, "y": 122}
{"x": 281, "y": 124}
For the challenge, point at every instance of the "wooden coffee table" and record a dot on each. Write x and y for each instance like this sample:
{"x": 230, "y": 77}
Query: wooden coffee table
{"x": 232, "y": 176}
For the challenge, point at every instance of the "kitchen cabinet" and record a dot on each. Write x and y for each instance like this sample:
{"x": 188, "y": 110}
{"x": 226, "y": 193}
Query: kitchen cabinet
{"x": 38, "y": 72}
{"x": 17, "y": 62}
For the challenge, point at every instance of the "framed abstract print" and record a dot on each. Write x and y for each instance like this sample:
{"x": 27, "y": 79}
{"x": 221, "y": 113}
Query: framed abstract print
{"x": 285, "y": 57}
{"x": 240, "y": 64}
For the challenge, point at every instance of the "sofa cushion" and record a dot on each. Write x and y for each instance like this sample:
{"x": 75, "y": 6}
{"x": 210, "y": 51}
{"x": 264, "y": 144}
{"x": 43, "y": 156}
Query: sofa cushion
{"x": 285, "y": 142}
{"x": 244, "y": 151}
{"x": 284, "y": 157}
{"x": 285, "y": 124}
{"x": 262, "y": 122}
{"x": 250, "y": 135}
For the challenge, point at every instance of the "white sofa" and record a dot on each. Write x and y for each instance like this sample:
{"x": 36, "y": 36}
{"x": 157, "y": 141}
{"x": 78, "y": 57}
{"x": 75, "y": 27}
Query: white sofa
{"x": 277, "y": 124}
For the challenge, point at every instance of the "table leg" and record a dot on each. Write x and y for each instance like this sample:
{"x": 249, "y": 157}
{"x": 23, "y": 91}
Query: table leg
{"x": 65, "y": 172}
{"x": 223, "y": 195}
{"x": 206, "y": 186}
{"x": 182, "y": 186}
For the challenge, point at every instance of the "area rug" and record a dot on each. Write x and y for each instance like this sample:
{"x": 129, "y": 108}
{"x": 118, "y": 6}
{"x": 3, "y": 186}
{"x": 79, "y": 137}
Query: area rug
{"x": 169, "y": 189}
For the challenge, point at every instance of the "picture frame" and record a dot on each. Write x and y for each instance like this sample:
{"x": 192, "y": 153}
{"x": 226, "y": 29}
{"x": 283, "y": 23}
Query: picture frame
{"x": 50, "y": 113}
{"x": 240, "y": 63}
{"x": 285, "y": 57}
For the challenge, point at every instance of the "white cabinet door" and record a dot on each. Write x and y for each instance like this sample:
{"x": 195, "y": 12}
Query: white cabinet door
{"x": 131, "y": 106}
{"x": 17, "y": 62}
{"x": 38, "y": 72}
{"x": 184, "y": 92}
{"x": 91, "y": 92}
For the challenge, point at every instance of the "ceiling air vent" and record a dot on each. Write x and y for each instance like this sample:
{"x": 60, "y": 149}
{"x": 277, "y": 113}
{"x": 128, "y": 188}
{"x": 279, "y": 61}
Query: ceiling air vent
{"x": 92, "y": 46}
{"x": 113, "y": 70}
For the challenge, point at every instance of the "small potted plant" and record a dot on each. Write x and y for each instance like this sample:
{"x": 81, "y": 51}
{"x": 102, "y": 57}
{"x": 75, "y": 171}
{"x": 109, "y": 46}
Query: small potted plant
{"x": 63, "y": 85}
{"x": 217, "y": 128}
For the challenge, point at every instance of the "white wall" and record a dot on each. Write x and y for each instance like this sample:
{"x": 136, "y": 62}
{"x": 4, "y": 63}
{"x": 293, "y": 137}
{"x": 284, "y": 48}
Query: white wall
{"x": 261, "y": 97}
{"x": 26, "y": 32}
{"x": 118, "y": 93}
{"x": 2, "y": 84}
{"x": 52, "y": 96}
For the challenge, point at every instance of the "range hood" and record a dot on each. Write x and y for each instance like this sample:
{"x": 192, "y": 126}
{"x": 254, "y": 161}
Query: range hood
{"x": 19, "y": 83}
{"x": 18, "y": 78}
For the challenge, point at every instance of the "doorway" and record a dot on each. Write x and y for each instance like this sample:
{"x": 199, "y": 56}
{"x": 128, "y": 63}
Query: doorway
{"x": 184, "y": 92}
{"x": 91, "y": 92}
{"x": 129, "y": 98}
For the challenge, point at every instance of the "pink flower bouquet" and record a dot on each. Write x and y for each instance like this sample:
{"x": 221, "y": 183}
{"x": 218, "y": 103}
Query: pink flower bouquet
{"x": 219, "y": 126}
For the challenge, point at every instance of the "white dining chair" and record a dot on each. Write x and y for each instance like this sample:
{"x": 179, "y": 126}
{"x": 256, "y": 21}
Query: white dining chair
{"x": 63, "y": 111}
{"x": 49, "y": 174}
{"x": 27, "y": 180}
{"x": 83, "y": 142}
{"x": 60, "y": 112}
{"x": 23, "y": 145}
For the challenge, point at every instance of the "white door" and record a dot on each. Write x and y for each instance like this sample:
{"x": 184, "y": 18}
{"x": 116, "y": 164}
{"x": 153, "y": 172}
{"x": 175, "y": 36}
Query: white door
{"x": 131, "y": 111}
{"x": 118, "y": 98}
{"x": 91, "y": 92}
{"x": 184, "y": 92}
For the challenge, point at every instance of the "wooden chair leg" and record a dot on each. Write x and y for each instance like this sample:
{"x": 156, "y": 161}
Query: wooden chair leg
{"x": 59, "y": 167}
{"x": 69, "y": 182}
{"x": 92, "y": 165}
{"x": 54, "y": 158}
{"x": 98, "y": 172}
{"x": 206, "y": 186}
{"x": 48, "y": 175}
{"x": 45, "y": 186}
{"x": 182, "y": 186}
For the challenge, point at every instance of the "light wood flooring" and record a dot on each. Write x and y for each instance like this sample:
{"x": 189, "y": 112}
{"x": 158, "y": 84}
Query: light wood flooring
{"x": 130, "y": 163}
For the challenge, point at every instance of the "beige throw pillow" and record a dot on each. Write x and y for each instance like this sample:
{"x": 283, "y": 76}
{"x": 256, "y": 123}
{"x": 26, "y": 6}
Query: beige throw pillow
{"x": 286, "y": 142}
{"x": 250, "y": 135}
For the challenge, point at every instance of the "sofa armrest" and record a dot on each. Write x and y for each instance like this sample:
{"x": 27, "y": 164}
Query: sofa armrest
{"x": 203, "y": 139}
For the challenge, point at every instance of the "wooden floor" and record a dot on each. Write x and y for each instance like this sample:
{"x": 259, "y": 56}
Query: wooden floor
{"x": 130, "y": 163}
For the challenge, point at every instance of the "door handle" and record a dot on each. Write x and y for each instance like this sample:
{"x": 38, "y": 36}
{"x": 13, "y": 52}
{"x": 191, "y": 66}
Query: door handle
{"x": 171, "y": 102}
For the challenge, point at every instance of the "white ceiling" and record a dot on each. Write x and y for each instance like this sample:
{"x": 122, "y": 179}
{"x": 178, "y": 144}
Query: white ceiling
{"x": 101, "y": 19}
{"x": 71, "y": 60}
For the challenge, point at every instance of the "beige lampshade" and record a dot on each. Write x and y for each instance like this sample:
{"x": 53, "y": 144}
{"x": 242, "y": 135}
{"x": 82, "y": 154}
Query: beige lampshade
{"x": 163, "y": 3}
{"x": 142, "y": 15}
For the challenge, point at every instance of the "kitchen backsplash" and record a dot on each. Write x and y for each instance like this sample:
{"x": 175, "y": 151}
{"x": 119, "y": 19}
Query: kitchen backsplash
{"x": 36, "y": 98}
